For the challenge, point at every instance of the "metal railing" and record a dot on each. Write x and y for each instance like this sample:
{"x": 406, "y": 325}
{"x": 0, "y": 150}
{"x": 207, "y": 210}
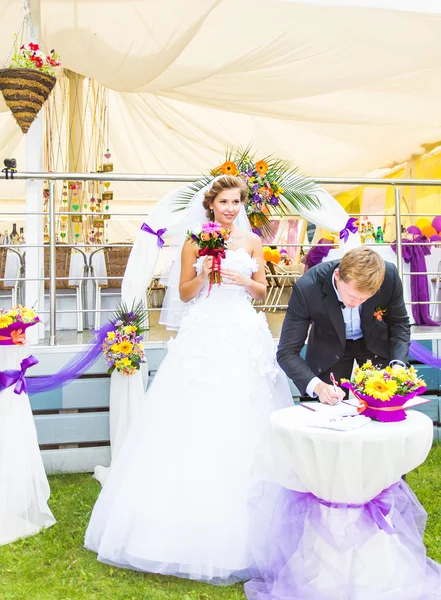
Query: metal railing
{"x": 52, "y": 214}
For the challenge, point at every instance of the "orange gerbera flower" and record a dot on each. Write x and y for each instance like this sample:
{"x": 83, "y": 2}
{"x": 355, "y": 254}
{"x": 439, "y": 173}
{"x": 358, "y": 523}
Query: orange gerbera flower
{"x": 262, "y": 167}
{"x": 229, "y": 168}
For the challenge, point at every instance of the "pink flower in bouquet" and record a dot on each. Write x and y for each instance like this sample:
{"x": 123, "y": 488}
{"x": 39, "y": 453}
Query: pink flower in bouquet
{"x": 211, "y": 239}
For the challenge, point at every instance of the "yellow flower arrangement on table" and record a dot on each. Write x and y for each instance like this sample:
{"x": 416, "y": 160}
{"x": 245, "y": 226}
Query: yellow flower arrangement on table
{"x": 382, "y": 393}
{"x": 14, "y": 322}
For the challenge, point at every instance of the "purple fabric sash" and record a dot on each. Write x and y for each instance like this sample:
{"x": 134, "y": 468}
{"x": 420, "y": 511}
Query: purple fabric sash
{"x": 11, "y": 376}
{"x": 317, "y": 253}
{"x": 419, "y": 287}
{"x": 424, "y": 355}
{"x": 76, "y": 367}
{"x": 348, "y": 228}
{"x": 378, "y": 508}
{"x": 159, "y": 233}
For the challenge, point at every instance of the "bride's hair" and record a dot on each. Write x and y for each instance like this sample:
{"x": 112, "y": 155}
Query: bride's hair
{"x": 227, "y": 182}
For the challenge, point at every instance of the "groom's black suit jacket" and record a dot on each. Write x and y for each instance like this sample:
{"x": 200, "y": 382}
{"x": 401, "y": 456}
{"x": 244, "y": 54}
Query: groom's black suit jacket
{"x": 314, "y": 303}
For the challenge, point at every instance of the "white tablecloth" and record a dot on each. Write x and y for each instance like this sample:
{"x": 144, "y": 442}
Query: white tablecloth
{"x": 350, "y": 466}
{"x": 433, "y": 261}
{"x": 308, "y": 548}
{"x": 24, "y": 488}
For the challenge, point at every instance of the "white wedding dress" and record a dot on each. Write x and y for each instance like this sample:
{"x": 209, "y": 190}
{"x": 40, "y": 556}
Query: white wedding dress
{"x": 176, "y": 499}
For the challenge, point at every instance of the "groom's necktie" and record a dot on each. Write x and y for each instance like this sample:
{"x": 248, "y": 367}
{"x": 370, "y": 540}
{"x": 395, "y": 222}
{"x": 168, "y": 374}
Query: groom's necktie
{"x": 342, "y": 306}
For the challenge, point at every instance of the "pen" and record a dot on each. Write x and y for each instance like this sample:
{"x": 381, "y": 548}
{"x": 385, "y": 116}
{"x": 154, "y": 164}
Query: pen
{"x": 334, "y": 383}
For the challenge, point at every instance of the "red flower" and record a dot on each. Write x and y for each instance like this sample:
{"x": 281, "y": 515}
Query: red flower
{"x": 379, "y": 313}
{"x": 34, "y": 47}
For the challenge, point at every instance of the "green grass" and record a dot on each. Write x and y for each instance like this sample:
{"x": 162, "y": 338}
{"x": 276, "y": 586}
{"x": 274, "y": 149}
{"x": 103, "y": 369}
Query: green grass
{"x": 53, "y": 565}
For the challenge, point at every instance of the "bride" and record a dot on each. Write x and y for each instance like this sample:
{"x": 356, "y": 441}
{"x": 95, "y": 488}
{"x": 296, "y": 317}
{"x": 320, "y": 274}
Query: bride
{"x": 176, "y": 499}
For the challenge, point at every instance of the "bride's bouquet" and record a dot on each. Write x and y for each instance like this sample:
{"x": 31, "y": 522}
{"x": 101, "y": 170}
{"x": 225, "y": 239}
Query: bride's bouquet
{"x": 211, "y": 239}
{"x": 13, "y": 324}
{"x": 382, "y": 393}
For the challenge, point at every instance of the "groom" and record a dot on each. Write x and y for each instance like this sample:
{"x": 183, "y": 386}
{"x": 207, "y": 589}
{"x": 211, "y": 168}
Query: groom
{"x": 352, "y": 309}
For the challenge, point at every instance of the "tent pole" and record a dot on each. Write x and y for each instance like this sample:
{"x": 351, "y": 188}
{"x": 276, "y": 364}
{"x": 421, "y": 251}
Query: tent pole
{"x": 398, "y": 232}
{"x": 34, "y": 290}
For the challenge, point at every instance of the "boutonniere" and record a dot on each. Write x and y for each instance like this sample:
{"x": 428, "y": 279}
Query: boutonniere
{"x": 379, "y": 313}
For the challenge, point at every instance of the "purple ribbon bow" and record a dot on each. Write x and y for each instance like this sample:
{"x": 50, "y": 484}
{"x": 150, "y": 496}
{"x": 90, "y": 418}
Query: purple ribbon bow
{"x": 348, "y": 228}
{"x": 11, "y": 376}
{"x": 378, "y": 508}
{"x": 158, "y": 233}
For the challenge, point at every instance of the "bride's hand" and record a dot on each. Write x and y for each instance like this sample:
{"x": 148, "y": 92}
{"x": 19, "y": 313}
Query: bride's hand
{"x": 234, "y": 278}
{"x": 207, "y": 267}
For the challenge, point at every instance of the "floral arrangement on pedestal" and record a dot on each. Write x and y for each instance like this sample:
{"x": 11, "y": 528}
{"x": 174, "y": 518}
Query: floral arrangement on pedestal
{"x": 27, "y": 81}
{"x": 122, "y": 346}
{"x": 275, "y": 187}
{"x": 382, "y": 393}
{"x": 13, "y": 324}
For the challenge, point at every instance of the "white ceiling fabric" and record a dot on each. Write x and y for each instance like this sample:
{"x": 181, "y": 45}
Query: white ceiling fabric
{"x": 339, "y": 88}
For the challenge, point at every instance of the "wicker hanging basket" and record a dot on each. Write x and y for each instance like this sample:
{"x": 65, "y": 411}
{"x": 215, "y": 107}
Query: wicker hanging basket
{"x": 25, "y": 91}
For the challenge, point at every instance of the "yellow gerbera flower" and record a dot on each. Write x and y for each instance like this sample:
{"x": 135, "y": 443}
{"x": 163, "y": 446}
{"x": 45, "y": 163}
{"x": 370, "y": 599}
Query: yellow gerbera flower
{"x": 126, "y": 362}
{"x": 5, "y": 321}
{"x": 379, "y": 388}
{"x": 115, "y": 348}
{"x": 111, "y": 336}
{"x": 125, "y": 347}
{"x": 229, "y": 168}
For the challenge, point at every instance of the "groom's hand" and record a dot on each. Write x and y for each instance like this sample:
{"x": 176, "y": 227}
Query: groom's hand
{"x": 327, "y": 394}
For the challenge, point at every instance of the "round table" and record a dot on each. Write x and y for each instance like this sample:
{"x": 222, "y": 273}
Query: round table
{"x": 332, "y": 519}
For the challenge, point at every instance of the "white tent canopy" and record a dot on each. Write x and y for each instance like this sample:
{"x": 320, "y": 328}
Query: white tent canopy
{"x": 336, "y": 87}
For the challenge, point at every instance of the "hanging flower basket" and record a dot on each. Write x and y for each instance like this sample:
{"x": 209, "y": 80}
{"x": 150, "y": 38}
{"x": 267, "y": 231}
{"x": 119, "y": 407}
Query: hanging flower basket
{"x": 25, "y": 91}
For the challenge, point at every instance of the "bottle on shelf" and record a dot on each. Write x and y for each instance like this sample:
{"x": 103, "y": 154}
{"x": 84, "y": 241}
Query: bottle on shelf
{"x": 363, "y": 233}
{"x": 13, "y": 238}
{"x": 6, "y": 237}
{"x": 379, "y": 238}
{"x": 369, "y": 237}
{"x": 21, "y": 237}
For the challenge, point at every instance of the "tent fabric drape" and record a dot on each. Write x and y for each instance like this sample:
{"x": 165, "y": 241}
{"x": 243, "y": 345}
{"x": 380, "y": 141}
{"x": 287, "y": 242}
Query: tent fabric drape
{"x": 339, "y": 88}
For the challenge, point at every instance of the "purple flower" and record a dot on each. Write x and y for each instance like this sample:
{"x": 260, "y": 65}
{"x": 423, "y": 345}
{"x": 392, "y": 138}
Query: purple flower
{"x": 255, "y": 187}
{"x": 274, "y": 200}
